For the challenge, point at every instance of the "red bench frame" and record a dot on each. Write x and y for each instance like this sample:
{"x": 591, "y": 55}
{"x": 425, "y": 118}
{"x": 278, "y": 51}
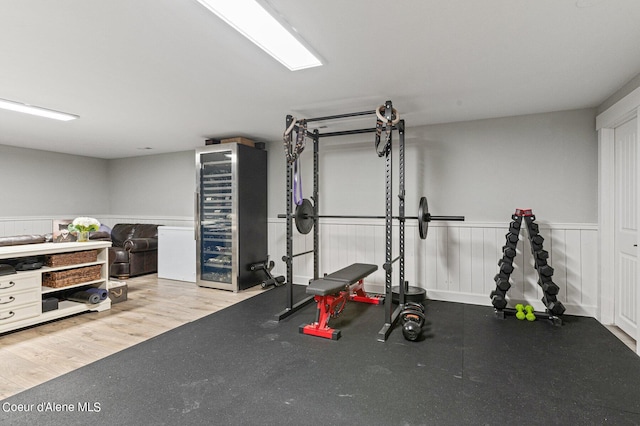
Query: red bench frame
{"x": 331, "y": 305}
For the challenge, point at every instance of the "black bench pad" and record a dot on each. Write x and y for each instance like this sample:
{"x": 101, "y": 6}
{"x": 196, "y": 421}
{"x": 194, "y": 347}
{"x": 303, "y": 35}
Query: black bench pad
{"x": 353, "y": 273}
{"x": 323, "y": 287}
{"x": 341, "y": 279}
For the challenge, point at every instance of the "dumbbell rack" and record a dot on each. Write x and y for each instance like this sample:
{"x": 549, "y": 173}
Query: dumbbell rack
{"x": 554, "y": 308}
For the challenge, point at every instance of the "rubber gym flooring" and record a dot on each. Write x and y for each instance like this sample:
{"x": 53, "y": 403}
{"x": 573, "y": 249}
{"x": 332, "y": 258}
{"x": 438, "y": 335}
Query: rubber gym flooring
{"x": 241, "y": 367}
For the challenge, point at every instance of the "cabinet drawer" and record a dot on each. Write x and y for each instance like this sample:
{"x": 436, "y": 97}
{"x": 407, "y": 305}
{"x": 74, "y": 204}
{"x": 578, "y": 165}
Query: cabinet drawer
{"x": 8, "y": 301}
{"x": 9, "y": 315}
{"x": 9, "y": 284}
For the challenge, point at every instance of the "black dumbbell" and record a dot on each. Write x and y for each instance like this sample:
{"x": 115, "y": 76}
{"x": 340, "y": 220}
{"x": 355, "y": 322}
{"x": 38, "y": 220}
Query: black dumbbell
{"x": 506, "y": 267}
{"x": 540, "y": 257}
{"x": 539, "y": 262}
{"x": 509, "y": 252}
{"x": 510, "y": 245}
{"x": 553, "y": 305}
{"x": 542, "y": 254}
{"x": 533, "y": 229}
{"x": 498, "y": 299}
{"x": 512, "y": 238}
{"x": 514, "y": 227}
{"x": 536, "y": 242}
{"x": 545, "y": 270}
{"x": 501, "y": 275}
{"x": 544, "y": 279}
{"x": 503, "y": 284}
{"x": 549, "y": 287}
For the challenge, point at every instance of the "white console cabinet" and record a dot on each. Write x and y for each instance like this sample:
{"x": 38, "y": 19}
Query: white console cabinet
{"x": 21, "y": 294}
{"x": 176, "y": 253}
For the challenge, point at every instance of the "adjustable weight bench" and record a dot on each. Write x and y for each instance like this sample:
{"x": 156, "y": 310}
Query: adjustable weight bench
{"x": 332, "y": 292}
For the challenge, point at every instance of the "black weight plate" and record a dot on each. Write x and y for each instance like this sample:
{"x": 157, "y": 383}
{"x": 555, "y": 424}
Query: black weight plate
{"x": 423, "y": 217}
{"x": 412, "y": 294}
{"x": 304, "y": 217}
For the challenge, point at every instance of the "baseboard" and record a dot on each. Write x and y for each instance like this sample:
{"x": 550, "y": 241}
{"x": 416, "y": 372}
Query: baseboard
{"x": 476, "y": 299}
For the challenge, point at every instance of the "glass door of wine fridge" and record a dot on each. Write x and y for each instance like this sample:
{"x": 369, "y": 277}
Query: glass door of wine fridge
{"x": 216, "y": 214}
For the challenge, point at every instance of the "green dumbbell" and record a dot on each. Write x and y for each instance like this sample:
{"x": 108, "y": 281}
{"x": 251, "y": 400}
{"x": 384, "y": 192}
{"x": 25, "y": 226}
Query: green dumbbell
{"x": 520, "y": 311}
{"x": 530, "y": 316}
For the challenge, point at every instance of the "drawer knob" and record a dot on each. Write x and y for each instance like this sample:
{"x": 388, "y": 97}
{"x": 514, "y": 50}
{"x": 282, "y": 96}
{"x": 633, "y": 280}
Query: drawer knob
{"x": 11, "y": 299}
{"x": 11, "y": 314}
{"x": 11, "y": 284}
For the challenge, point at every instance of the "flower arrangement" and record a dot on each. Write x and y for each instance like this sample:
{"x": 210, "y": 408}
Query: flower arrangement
{"x": 84, "y": 224}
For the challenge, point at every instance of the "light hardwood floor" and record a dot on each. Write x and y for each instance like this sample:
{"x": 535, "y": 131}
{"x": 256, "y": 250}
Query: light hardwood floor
{"x": 35, "y": 355}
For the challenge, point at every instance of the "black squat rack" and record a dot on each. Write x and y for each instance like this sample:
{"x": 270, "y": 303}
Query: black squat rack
{"x": 306, "y": 215}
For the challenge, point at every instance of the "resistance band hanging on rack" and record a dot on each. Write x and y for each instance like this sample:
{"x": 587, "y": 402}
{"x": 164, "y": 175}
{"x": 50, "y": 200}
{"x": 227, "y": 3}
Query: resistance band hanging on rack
{"x": 388, "y": 127}
{"x": 292, "y": 154}
{"x": 297, "y": 183}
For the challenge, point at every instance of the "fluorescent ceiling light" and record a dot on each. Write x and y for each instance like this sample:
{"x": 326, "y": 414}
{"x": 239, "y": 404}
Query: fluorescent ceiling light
{"x": 34, "y": 110}
{"x": 251, "y": 19}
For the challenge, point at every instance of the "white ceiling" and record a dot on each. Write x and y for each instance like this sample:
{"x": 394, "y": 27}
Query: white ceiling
{"x": 167, "y": 74}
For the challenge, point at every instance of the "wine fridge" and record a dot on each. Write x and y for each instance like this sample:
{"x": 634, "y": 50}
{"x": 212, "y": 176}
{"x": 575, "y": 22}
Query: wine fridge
{"x": 231, "y": 215}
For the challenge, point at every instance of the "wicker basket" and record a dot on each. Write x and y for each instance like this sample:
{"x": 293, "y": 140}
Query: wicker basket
{"x": 72, "y": 258}
{"x": 73, "y": 276}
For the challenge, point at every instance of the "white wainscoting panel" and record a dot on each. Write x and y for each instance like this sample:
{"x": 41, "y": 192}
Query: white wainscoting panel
{"x": 10, "y": 226}
{"x": 111, "y": 220}
{"x": 458, "y": 260}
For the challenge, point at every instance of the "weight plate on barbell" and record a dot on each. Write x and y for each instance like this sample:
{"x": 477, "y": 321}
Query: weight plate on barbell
{"x": 423, "y": 218}
{"x": 304, "y": 216}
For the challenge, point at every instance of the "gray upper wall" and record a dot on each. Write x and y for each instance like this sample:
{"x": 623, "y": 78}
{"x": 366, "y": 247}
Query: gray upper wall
{"x": 42, "y": 183}
{"x": 154, "y": 185}
{"x": 480, "y": 169}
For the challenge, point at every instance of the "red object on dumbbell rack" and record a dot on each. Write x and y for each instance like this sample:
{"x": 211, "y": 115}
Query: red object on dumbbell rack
{"x": 524, "y": 212}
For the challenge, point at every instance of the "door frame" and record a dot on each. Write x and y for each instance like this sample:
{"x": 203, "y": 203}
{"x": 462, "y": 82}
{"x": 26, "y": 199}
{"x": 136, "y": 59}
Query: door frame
{"x": 606, "y": 122}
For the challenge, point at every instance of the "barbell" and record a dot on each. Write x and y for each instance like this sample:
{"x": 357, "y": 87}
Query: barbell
{"x": 304, "y": 217}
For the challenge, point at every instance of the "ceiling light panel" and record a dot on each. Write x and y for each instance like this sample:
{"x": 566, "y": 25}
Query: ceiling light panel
{"x": 34, "y": 110}
{"x": 252, "y": 20}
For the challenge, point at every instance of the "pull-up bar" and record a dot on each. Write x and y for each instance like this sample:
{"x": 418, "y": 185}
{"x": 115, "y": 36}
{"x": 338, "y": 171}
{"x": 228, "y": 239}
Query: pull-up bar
{"x": 338, "y": 116}
{"x": 317, "y": 135}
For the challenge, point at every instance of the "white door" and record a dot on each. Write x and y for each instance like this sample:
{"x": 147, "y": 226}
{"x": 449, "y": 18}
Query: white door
{"x": 626, "y": 226}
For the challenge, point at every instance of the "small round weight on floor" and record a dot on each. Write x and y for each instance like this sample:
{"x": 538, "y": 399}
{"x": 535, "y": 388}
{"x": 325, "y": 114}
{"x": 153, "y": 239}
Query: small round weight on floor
{"x": 520, "y": 311}
{"x": 411, "y": 330}
{"x": 530, "y": 316}
{"x": 412, "y": 315}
